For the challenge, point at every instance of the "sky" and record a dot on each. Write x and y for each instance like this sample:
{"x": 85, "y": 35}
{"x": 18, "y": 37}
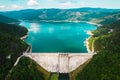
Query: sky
{"x": 8, "y": 5}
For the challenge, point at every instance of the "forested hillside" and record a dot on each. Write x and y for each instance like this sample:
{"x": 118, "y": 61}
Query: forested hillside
{"x": 12, "y": 29}
{"x": 105, "y": 65}
{"x": 28, "y": 69}
{"x": 5, "y": 19}
{"x": 96, "y": 15}
{"x": 11, "y": 47}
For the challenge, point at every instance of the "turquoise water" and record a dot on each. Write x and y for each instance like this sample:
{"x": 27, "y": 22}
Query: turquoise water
{"x": 58, "y": 36}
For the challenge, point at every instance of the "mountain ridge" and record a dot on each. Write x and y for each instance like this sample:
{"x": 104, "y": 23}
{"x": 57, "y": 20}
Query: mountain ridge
{"x": 97, "y": 15}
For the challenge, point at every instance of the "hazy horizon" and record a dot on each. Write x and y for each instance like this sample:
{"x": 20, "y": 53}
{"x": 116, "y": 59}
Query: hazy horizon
{"x": 10, "y": 5}
{"x": 56, "y": 8}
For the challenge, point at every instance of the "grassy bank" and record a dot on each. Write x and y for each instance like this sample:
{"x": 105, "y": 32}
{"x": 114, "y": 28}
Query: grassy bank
{"x": 54, "y": 76}
{"x": 90, "y": 42}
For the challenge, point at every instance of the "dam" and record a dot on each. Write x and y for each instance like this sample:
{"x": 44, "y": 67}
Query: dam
{"x": 60, "y": 62}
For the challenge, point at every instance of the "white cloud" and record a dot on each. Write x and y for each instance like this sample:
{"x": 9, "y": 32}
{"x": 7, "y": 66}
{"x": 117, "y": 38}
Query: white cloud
{"x": 14, "y": 6}
{"x": 67, "y": 4}
{"x": 50, "y": 0}
{"x": 2, "y": 7}
{"x": 32, "y": 3}
{"x": 72, "y": 1}
{"x": 10, "y": 7}
{"x": 82, "y": 3}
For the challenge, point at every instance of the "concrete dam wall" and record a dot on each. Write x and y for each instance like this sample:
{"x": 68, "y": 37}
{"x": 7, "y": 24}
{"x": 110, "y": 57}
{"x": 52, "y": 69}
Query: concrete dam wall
{"x": 60, "y": 63}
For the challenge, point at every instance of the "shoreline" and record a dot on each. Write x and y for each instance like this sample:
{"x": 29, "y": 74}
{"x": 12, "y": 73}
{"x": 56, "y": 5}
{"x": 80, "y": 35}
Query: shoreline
{"x": 93, "y": 23}
{"x": 25, "y": 36}
{"x": 76, "y": 21}
{"x": 87, "y": 41}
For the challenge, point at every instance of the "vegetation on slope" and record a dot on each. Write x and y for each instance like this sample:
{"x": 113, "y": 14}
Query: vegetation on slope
{"x": 105, "y": 65}
{"x": 28, "y": 69}
{"x": 90, "y": 40}
{"x": 14, "y": 30}
{"x": 5, "y": 19}
{"x": 54, "y": 76}
{"x": 11, "y": 47}
{"x": 102, "y": 67}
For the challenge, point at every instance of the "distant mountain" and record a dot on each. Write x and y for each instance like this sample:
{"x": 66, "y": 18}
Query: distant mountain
{"x": 97, "y": 15}
{"x": 5, "y": 19}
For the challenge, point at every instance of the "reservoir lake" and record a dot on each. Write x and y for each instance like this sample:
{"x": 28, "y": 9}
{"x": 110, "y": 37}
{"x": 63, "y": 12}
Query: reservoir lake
{"x": 58, "y": 37}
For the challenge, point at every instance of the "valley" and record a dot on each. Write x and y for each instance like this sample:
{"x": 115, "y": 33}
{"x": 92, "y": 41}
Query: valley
{"x": 46, "y": 33}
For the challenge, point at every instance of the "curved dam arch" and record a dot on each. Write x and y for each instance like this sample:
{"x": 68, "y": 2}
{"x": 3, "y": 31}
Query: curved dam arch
{"x": 60, "y": 62}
